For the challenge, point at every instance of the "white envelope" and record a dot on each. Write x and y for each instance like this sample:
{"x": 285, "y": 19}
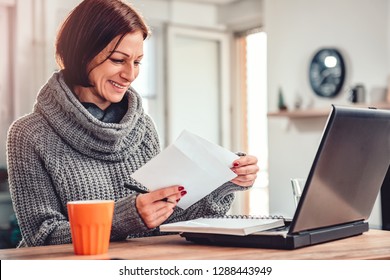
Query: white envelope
{"x": 192, "y": 162}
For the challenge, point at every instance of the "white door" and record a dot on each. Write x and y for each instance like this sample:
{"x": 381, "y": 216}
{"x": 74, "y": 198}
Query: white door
{"x": 198, "y": 94}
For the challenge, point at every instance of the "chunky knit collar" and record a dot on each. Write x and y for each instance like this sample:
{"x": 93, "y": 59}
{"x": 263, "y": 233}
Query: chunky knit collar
{"x": 85, "y": 133}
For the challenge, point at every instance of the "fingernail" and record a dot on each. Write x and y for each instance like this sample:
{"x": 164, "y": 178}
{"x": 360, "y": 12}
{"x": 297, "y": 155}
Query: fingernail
{"x": 183, "y": 193}
{"x": 181, "y": 188}
{"x": 236, "y": 164}
{"x": 177, "y": 200}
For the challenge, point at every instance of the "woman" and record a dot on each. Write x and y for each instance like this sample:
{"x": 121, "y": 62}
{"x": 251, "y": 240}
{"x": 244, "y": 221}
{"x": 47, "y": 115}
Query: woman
{"x": 88, "y": 133}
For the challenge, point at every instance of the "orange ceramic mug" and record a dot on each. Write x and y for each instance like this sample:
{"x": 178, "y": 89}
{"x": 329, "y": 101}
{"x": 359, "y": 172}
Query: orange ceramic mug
{"x": 90, "y": 225}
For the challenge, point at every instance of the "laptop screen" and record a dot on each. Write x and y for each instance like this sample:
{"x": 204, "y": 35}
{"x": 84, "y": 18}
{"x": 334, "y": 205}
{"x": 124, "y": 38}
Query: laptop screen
{"x": 348, "y": 169}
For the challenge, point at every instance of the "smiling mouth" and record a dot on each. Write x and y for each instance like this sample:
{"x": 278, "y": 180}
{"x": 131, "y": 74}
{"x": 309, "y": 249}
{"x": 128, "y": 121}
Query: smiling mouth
{"x": 115, "y": 84}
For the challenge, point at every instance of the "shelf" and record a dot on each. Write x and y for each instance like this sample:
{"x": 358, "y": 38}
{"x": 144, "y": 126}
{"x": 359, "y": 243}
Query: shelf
{"x": 321, "y": 112}
{"x": 308, "y": 113}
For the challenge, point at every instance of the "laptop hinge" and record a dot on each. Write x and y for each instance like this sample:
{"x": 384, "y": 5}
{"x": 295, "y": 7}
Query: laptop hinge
{"x": 341, "y": 226}
{"x": 335, "y": 232}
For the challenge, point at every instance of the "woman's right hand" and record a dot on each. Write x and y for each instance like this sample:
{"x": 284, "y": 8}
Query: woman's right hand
{"x": 155, "y": 207}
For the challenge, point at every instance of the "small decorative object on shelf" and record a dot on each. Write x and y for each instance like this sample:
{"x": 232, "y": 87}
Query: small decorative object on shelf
{"x": 357, "y": 94}
{"x": 281, "y": 104}
{"x": 298, "y": 102}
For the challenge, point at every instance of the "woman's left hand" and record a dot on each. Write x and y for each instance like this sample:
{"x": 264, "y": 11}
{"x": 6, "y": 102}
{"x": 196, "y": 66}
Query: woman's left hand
{"x": 246, "y": 169}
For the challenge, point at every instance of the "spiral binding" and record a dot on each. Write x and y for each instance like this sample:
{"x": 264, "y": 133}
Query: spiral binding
{"x": 245, "y": 217}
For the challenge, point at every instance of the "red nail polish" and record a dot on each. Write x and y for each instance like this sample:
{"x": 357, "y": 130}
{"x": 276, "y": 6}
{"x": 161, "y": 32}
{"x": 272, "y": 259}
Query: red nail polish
{"x": 177, "y": 200}
{"x": 181, "y": 188}
{"x": 183, "y": 193}
{"x": 236, "y": 164}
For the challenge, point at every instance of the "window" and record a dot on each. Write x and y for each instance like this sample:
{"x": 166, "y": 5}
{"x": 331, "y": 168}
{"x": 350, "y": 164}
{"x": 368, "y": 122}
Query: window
{"x": 252, "y": 50}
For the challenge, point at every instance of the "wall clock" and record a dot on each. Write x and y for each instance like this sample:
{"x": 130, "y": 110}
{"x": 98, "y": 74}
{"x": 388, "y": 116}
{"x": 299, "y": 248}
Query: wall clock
{"x": 327, "y": 72}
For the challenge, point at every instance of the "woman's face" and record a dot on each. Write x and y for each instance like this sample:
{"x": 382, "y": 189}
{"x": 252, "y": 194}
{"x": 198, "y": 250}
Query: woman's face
{"x": 113, "y": 77}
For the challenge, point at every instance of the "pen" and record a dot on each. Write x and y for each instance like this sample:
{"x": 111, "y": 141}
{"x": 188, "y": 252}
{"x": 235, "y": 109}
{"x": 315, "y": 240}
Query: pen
{"x": 135, "y": 188}
{"x": 139, "y": 190}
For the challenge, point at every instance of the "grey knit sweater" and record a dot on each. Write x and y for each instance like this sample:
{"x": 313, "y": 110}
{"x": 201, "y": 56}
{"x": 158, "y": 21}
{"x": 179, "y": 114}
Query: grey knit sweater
{"x": 60, "y": 152}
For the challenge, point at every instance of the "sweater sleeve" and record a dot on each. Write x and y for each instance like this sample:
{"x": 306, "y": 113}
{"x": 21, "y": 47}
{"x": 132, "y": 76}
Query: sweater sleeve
{"x": 37, "y": 207}
{"x": 126, "y": 221}
{"x": 216, "y": 203}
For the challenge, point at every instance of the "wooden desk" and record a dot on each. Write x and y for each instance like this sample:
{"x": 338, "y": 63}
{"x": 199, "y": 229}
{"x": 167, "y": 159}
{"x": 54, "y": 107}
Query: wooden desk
{"x": 374, "y": 244}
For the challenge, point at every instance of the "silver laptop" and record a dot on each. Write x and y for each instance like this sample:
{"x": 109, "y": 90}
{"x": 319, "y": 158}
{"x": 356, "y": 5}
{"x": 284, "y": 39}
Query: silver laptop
{"x": 341, "y": 188}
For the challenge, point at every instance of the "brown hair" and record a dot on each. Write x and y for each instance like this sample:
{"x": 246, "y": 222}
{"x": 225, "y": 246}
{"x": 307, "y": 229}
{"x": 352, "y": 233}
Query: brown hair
{"x": 88, "y": 29}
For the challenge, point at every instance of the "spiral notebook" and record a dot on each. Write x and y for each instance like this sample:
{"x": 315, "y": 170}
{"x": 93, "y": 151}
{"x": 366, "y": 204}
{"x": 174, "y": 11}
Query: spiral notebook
{"x": 348, "y": 170}
{"x": 231, "y": 225}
